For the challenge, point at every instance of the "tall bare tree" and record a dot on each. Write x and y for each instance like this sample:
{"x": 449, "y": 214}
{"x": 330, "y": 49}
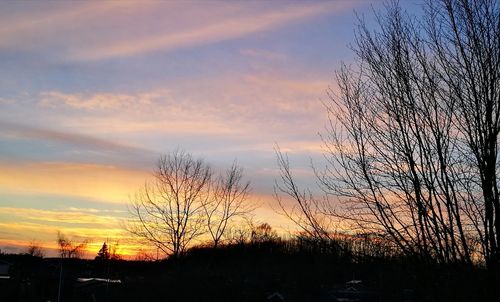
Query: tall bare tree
{"x": 227, "y": 202}
{"x": 413, "y": 134}
{"x": 465, "y": 38}
{"x": 168, "y": 212}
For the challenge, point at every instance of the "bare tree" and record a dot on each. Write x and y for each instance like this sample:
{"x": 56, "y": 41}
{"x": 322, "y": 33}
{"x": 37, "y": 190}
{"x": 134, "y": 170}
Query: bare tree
{"x": 306, "y": 210}
{"x": 35, "y": 250}
{"x": 142, "y": 255}
{"x": 239, "y": 234}
{"x": 227, "y": 202}
{"x": 413, "y": 134}
{"x": 263, "y": 233}
{"x": 465, "y": 38}
{"x": 168, "y": 212}
{"x": 114, "y": 251}
{"x": 68, "y": 248}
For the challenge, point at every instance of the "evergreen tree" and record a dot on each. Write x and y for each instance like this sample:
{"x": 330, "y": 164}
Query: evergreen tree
{"x": 103, "y": 253}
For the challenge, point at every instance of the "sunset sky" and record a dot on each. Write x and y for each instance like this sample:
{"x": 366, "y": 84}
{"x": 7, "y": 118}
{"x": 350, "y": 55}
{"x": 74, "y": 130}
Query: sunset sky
{"x": 91, "y": 93}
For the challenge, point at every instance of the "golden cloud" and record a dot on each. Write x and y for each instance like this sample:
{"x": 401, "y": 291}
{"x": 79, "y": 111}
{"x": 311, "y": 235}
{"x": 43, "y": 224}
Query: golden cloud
{"x": 98, "y": 182}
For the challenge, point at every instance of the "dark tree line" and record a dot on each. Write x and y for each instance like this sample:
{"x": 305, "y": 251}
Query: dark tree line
{"x": 413, "y": 134}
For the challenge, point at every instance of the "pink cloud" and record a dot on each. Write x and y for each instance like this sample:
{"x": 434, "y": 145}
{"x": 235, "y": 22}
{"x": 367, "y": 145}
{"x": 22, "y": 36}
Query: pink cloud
{"x": 225, "y": 27}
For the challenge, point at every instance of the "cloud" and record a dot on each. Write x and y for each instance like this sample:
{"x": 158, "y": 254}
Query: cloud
{"x": 4, "y": 101}
{"x": 215, "y": 30}
{"x": 22, "y": 131}
{"x": 22, "y": 24}
{"x": 101, "y": 183}
{"x": 115, "y": 29}
{"x": 264, "y": 54}
{"x": 92, "y": 210}
{"x": 157, "y": 110}
{"x": 228, "y": 105}
{"x": 62, "y": 217}
{"x": 100, "y": 101}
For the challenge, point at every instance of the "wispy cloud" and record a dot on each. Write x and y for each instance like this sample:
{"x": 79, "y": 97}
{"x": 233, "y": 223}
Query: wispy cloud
{"x": 215, "y": 31}
{"x": 115, "y": 29}
{"x": 22, "y": 131}
{"x": 62, "y": 217}
{"x": 27, "y": 24}
{"x": 92, "y": 210}
{"x": 250, "y": 102}
{"x": 46, "y": 232}
{"x": 100, "y": 100}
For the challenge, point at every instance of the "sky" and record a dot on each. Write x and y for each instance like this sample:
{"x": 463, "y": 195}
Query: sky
{"x": 92, "y": 92}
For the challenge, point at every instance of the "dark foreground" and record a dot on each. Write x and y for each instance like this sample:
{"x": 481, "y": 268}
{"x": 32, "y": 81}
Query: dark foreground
{"x": 268, "y": 271}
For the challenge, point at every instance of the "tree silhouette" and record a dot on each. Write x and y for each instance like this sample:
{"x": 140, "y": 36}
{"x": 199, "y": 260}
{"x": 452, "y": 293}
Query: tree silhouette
{"x": 184, "y": 201}
{"x": 227, "y": 202}
{"x": 168, "y": 211}
{"x": 307, "y": 212}
{"x": 413, "y": 134}
{"x": 103, "y": 253}
{"x": 35, "y": 250}
{"x": 263, "y": 233}
{"x": 68, "y": 248}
